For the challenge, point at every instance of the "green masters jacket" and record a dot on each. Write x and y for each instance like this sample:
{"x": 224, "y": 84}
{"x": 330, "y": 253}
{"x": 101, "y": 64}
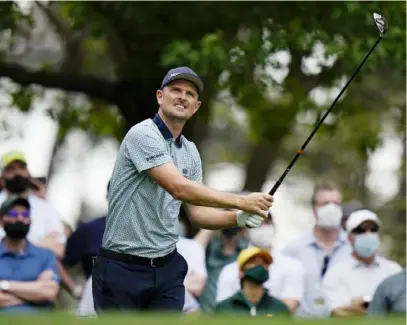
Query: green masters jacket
{"x": 238, "y": 304}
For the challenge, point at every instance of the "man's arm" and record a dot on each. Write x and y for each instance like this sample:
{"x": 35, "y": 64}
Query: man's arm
{"x": 378, "y": 305}
{"x": 210, "y": 218}
{"x": 145, "y": 148}
{"x": 45, "y": 288}
{"x": 8, "y": 299}
{"x": 52, "y": 241}
{"x": 195, "y": 283}
{"x": 181, "y": 188}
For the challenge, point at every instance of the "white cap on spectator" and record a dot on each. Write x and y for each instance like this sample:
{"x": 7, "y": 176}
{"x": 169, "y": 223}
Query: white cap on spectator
{"x": 358, "y": 217}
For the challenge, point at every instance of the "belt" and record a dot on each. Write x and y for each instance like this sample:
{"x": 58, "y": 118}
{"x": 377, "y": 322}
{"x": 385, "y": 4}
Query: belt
{"x": 137, "y": 260}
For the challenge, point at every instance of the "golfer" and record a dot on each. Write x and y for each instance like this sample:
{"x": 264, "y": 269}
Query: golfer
{"x": 157, "y": 169}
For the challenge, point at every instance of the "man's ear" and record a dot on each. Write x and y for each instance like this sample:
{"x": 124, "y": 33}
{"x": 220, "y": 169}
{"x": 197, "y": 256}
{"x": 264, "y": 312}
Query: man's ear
{"x": 197, "y": 105}
{"x": 159, "y": 96}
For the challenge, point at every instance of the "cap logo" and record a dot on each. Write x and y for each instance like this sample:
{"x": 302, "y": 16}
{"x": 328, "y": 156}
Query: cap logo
{"x": 174, "y": 74}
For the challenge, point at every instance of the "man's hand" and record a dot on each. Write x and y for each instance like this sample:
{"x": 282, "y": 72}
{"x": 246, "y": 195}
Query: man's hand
{"x": 257, "y": 203}
{"x": 40, "y": 189}
{"x": 246, "y": 220}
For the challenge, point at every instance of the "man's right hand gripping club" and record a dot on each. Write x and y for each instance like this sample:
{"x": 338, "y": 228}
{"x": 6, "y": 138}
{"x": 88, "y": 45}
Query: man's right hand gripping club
{"x": 254, "y": 210}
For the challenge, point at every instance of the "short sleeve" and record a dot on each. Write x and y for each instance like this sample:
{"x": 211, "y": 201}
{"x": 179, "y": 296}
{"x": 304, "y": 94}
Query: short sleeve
{"x": 294, "y": 282}
{"x": 197, "y": 171}
{"x": 378, "y": 305}
{"x": 51, "y": 264}
{"x": 53, "y": 222}
{"x": 146, "y": 148}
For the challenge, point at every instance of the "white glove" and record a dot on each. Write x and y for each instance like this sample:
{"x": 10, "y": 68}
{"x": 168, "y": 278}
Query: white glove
{"x": 246, "y": 220}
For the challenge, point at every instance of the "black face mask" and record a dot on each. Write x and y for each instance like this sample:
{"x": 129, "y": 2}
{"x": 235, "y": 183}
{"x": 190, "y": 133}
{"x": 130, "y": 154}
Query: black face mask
{"x": 17, "y": 184}
{"x": 17, "y": 230}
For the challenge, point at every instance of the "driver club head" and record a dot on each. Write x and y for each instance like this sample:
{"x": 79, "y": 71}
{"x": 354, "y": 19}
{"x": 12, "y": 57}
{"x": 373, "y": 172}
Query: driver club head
{"x": 381, "y": 23}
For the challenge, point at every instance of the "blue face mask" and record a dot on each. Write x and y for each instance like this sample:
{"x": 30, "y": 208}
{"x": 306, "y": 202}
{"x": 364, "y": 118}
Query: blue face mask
{"x": 367, "y": 244}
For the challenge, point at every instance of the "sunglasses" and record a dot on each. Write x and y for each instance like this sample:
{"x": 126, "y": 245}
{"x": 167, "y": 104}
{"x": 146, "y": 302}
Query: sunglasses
{"x": 361, "y": 230}
{"x": 15, "y": 214}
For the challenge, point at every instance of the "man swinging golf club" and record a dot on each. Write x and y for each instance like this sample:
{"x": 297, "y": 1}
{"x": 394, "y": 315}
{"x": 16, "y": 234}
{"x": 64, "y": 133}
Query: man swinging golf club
{"x": 157, "y": 169}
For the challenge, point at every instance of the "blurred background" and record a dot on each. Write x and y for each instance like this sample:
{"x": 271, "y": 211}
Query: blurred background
{"x": 75, "y": 76}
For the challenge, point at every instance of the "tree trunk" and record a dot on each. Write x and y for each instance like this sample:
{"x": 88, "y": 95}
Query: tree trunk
{"x": 262, "y": 158}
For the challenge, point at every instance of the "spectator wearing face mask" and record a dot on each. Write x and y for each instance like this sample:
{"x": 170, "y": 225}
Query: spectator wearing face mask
{"x": 220, "y": 251}
{"x": 47, "y": 229}
{"x": 320, "y": 249}
{"x": 28, "y": 274}
{"x": 252, "y": 298}
{"x": 350, "y": 284}
{"x": 286, "y": 274}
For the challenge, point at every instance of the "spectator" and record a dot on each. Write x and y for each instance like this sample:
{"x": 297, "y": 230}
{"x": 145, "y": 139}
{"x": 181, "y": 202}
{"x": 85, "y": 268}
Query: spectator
{"x": 350, "y": 284}
{"x": 220, "y": 251}
{"x": 46, "y": 229}
{"x": 347, "y": 209}
{"x": 29, "y": 276}
{"x": 390, "y": 296}
{"x": 252, "y": 298}
{"x": 286, "y": 274}
{"x": 319, "y": 250}
{"x": 194, "y": 255}
{"x": 81, "y": 247}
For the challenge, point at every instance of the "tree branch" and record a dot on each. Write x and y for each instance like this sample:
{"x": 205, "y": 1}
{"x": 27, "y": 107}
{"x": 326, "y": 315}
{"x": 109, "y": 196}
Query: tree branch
{"x": 90, "y": 86}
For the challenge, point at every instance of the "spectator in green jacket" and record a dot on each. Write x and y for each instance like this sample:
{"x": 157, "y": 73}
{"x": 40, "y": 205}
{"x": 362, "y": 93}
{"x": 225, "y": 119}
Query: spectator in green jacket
{"x": 252, "y": 299}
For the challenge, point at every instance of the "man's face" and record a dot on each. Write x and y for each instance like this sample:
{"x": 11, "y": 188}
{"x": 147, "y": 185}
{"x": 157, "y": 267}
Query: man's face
{"x": 253, "y": 262}
{"x": 17, "y": 213}
{"x": 15, "y": 168}
{"x": 178, "y": 100}
{"x": 364, "y": 227}
{"x": 325, "y": 197}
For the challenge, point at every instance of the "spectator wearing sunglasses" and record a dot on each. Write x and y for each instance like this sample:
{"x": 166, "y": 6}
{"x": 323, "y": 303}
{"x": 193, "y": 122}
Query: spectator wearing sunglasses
{"x": 350, "y": 284}
{"x": 28, "y": 274}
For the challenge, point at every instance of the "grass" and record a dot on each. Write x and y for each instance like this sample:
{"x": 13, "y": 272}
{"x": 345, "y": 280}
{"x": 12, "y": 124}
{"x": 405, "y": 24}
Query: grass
{"x": 124, "y": 319}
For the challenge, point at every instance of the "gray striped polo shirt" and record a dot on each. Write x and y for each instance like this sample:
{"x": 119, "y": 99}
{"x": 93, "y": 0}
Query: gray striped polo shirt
{"x": 142, "y": 217}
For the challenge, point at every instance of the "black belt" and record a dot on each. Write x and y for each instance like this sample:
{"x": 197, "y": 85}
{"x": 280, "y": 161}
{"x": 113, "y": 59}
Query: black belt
{"x": 137, "y": 260}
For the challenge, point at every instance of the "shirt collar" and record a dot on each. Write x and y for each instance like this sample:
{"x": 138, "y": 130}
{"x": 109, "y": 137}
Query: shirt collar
{"x": 356, "y": 263}
{"x": 165, "y": 131}
{"x": 27, "y": 251}
{"x": 342, "y": 238}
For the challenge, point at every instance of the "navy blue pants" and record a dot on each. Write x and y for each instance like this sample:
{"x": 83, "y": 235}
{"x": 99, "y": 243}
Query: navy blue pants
{"x": 119, "y": 285}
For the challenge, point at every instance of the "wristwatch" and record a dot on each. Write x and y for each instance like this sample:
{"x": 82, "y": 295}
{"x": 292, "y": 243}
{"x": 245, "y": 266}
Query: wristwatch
{"x": 4, "y": 285}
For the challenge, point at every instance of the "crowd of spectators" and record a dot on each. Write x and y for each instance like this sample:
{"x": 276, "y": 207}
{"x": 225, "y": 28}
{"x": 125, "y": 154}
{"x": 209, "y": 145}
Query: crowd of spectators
{"x": 334, "y": 270}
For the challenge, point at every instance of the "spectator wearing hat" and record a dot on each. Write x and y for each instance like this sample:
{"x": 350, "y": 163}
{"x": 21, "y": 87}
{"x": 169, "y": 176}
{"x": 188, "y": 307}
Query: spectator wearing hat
{"x": 286, "y": 274}
{"x": 46, "y": 229}
{"x": 252, "y": 298}
{"x": 28, "y": 274}
{"x": 351, "y": 283}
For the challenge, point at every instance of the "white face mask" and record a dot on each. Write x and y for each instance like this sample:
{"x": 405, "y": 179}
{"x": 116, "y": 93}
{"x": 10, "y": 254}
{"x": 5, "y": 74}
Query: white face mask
{"x": 329, "y": 216}
{"x": 261, "y": 237}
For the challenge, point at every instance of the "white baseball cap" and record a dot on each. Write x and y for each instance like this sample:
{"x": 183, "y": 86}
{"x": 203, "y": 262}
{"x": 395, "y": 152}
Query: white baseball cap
{"x": 358, "y": 217}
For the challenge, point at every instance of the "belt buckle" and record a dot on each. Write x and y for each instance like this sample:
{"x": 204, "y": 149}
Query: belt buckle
{"x": 152, "y": 263}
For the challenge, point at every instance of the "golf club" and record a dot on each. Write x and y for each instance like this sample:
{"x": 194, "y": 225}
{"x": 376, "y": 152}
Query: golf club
{"x": 381, "y": 25}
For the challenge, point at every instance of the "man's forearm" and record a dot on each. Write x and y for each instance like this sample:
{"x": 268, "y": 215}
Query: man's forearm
{"x": 195, "y": 283}
{"x": 200, "y": 195}
{"x": 213, "y": 219}
{"x": 36, "y": 291}
{"x": 8, "y": 299}
{"x": 52, "y": 242}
